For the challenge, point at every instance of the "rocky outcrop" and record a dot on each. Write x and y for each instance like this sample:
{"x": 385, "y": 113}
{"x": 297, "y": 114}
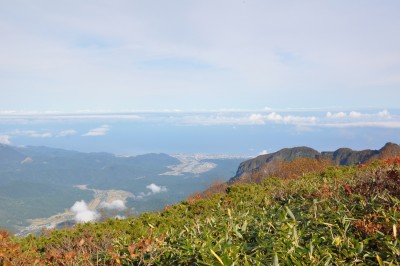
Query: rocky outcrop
{"x": 342, "y": 156}
{"x": 282, "y": 155}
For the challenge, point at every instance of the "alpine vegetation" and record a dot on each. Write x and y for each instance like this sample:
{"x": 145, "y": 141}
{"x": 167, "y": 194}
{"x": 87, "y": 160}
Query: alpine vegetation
{"x": 322, "y": 215}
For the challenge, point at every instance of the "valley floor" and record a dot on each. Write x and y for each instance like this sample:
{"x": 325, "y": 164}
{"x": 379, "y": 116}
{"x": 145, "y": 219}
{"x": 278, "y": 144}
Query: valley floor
{"x": 53, "y": 221}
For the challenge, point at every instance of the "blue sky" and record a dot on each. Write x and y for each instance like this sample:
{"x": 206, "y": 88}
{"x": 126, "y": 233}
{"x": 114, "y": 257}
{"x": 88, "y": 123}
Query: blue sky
{"x": 226, "y": 76}
{"x": 69, "y": 56}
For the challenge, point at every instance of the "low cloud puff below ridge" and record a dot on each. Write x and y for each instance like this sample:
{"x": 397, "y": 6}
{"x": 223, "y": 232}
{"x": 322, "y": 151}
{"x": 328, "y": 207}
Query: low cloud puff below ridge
{"x": 82, "y": 212}
{"x": 156, "y": 189}
{"x": 118, "y": 205}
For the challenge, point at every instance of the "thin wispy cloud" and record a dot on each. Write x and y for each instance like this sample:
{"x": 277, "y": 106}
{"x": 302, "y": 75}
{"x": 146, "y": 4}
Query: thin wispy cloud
{"x": 38, "y": 134}
{"x": 66, "y": 133}
{"x": 32, "y": 134}
{"x": 35, "y": 117}
{"x": 99, "y": 131}
{"x": 365, "y": 124}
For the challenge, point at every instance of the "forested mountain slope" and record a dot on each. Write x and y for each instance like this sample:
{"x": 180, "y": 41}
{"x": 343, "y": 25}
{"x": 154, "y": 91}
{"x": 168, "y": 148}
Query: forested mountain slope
{"x": 341, "y": 215}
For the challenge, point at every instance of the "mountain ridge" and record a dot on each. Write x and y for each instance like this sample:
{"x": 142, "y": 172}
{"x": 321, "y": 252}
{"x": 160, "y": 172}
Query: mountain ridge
{"x": 339, "y": 215}
{"x": 39, "y": 182}
{"x": 341, "y": 156}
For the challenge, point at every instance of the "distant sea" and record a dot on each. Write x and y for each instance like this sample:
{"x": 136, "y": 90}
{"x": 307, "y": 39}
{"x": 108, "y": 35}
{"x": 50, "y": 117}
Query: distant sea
{"x": 228, "y": 132}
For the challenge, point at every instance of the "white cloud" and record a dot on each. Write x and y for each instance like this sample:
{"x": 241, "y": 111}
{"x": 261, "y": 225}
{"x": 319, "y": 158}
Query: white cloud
{"x": 287, "y": 119}
{"x": 66, "y": 133}
{"x": 380, "y": 119}
{"x": 263, "y": 152}
{"x": 206, "y": 118}
{"x": 79, "y": 206}
{"x": 156, "y": 189}
{"x": 99, "y": 131}
{"x": 257, "y": 119}
{"x": 354, "y": 114}
{"x": 274, "y": 117}
{"x": 381, "y": 114}
{"x": 336, "y": 115}
{"x": 5, "y": 139}
{"x": 302, "y": 120}
{"x": 118, "y": 205}
{"x": 385, "y": 114}
{"x": 82, "y": 212}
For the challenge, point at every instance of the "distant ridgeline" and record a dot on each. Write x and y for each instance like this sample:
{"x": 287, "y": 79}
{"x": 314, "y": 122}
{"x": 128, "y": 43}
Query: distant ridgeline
{"x": 342, "y": 156}
{"x": 39, "y": 185}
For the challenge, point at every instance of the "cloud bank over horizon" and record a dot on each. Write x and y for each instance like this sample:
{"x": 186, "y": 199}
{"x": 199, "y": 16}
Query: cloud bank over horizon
{"x": 311, "y": 117}
{"x": 220, "y": 131}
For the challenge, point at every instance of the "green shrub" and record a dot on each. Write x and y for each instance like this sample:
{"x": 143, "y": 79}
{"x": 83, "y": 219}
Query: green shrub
{"x": 339, "y": 216}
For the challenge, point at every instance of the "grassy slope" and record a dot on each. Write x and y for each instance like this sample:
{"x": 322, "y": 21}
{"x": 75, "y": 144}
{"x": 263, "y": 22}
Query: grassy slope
{"x": 341, "y": 216}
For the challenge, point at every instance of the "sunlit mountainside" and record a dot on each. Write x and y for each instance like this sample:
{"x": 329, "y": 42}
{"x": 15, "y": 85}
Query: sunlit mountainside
{"x": 343, "y": 156}
{"x": 309, "y": 211}
{"x": 230, "y": 132}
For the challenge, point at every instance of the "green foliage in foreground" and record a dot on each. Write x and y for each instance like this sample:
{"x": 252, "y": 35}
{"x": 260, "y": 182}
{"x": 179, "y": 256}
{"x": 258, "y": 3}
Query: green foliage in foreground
{"x": 341, "y": 216}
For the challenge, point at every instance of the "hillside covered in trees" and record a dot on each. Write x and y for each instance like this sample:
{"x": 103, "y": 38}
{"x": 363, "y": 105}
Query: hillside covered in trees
{"x": 341, "y": 215}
